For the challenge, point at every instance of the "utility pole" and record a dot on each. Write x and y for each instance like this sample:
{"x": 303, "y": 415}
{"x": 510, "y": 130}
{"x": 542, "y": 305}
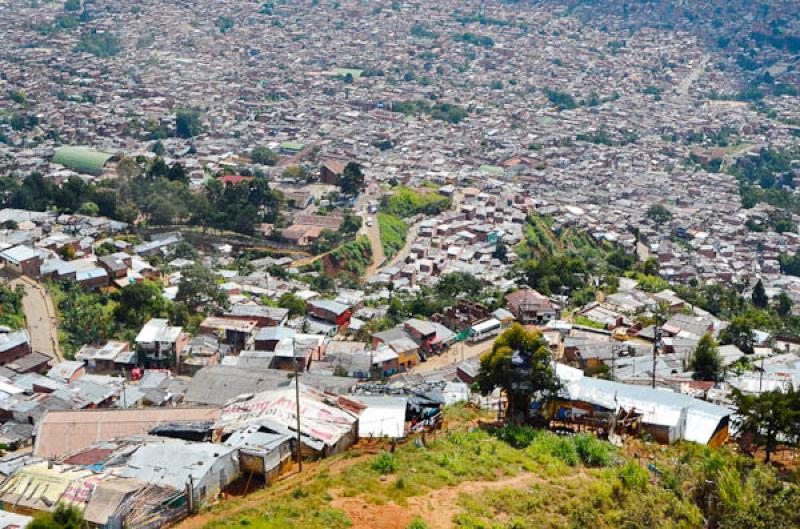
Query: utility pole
{"x": 761, "y": 375}
{"x": 656, "y": 345}
{"x": 297, "y": 400}
{"x": 613, "y": 361}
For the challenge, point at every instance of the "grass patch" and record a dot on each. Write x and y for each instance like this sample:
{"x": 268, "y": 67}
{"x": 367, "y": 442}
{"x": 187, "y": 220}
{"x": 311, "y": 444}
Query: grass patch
{"x": 580, "y": 319}
{"x": 406, "y": 202}
{"x": 352, "y": 257}
{"x": 575, "y": 481}
{"x": 393, "y": 233}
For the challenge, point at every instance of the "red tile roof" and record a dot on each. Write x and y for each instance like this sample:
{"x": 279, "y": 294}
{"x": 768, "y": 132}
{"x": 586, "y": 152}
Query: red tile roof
{"x": 233, "y": 180}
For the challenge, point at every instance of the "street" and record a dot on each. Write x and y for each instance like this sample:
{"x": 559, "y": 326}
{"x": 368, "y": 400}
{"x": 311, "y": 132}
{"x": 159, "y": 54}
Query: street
{"x": 41, "y": 317}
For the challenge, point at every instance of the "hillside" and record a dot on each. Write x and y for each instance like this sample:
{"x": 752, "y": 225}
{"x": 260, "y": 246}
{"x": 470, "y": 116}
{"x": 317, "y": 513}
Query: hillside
{"x": 471, "y": 476}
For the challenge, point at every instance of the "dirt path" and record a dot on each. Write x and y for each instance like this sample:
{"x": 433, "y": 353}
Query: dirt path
{"x": 454, "y": 355}
{"x": 41, "y": 316}
{"x": 374, "y": 234}
{"x": 438, "y": 508}
{"x": 311, "y": 469}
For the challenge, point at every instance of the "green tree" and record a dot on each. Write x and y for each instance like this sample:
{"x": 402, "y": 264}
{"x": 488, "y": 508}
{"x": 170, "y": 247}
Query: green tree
{"x": 294, "y": 172}
{"x": 739, "y": 332}
{"x": 768, "y": 417}
{"x": 188, "y": 123}
{"x": 658, "y": 214}
{"x": 177, "y": 173}
{"x": 263, "y": 155}
{"x": 198, "y": 288}
{"x": 783, "y": 305}
{"x": 500, "y": 252}
{"x": 63, "y": 517}
{"x": 158, "y": 169}
{"x": 352, "y": 179}
{"x": 520, "y": 363}
{"x": 72, "y": 5}
{"x": 455, "y": 284}
{"x": 296, "y": 306}
{"x": 158, "y": 149}
{"x": 706, "y": 361}
{"x": 759, "y": 296}
{"x": 99, "y": 44}
{"x": 139, "y": 302}
{"x": 128, "y": 168}
{"x": 89, "y": 209}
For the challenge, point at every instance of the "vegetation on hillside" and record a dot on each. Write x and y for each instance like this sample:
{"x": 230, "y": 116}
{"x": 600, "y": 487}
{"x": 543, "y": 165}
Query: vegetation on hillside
{"x": 352, "y": 258}
{"x": 11, "y": 312}
{"x": 393, "y": 233}
{"x": 407, "y": 202}
{"x": 558, "y": 482}
{"x": 449, "y": 112}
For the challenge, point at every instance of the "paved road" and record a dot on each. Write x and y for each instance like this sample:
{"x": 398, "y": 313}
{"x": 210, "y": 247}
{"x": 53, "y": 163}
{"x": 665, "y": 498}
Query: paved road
{"x": 41, "y": 316}
{"x": 697, "y": 70}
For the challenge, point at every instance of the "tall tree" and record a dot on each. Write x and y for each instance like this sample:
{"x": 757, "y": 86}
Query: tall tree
{"x": 759, "y": 296}
{"x": 198, "y": 288}
{"x": 352, "y": 179}
{"x": 739, "y": 332}
{"x": 659, "y": 214}
{"x": 138, "y": 303}
{"x": 520, "y": 363}
{"x": 706, "y": 361}
{"x": 188, "y": 123}
{"x": 783, "y": 305}
{"x": 768, "y": 417}
{"x": 263, "y": 155}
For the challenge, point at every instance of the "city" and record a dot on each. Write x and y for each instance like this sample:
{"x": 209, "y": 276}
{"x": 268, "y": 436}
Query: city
{"x": 238, "y": 236}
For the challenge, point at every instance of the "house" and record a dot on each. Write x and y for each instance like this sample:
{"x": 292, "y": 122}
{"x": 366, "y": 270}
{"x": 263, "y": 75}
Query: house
{"x": 113, "y": 357}
{"x": 231, "y": 180}
{"x": 263, "y": 454}
{"x": 331, "y": 169}
{"x": 206, "y": 469}
{"x": 22, "y": 260}
{"x": 114, "y": 265}
{"x": 267, "y": 339}
{"x": 30, "y": 363}
{"x": 402, "y": 343}
{"x": 463, "y": 314}
{"x": 350, "y": 359}
{"x": 237, "y": 333}
{"x": 667, "y": 416}
{"x": 13, "y": 346}
{"x": 217, "y": 385}
{"x": 529, "y": 306}
{"x": 263, "y": 315}
{"x": 432, "y": 337}
{"x": 203, "y": 350}
{"x": 328, "y": 426}
{"x": 301, "y": 234}
{"x": 67, "y": 371}
{"x": 159, "y": 345}
{"x": 39, "y": 487}
{"x": 63, "y": 432}
{"x": 330, "y": 311}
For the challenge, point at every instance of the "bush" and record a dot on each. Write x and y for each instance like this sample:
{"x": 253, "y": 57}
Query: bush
{"x": 517, "y": 436}
{"x": 385, "y": 463}
{"x": 633, "y": 477}
{"x": 593, "y": 452}
{"x": 417, "y": 523}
